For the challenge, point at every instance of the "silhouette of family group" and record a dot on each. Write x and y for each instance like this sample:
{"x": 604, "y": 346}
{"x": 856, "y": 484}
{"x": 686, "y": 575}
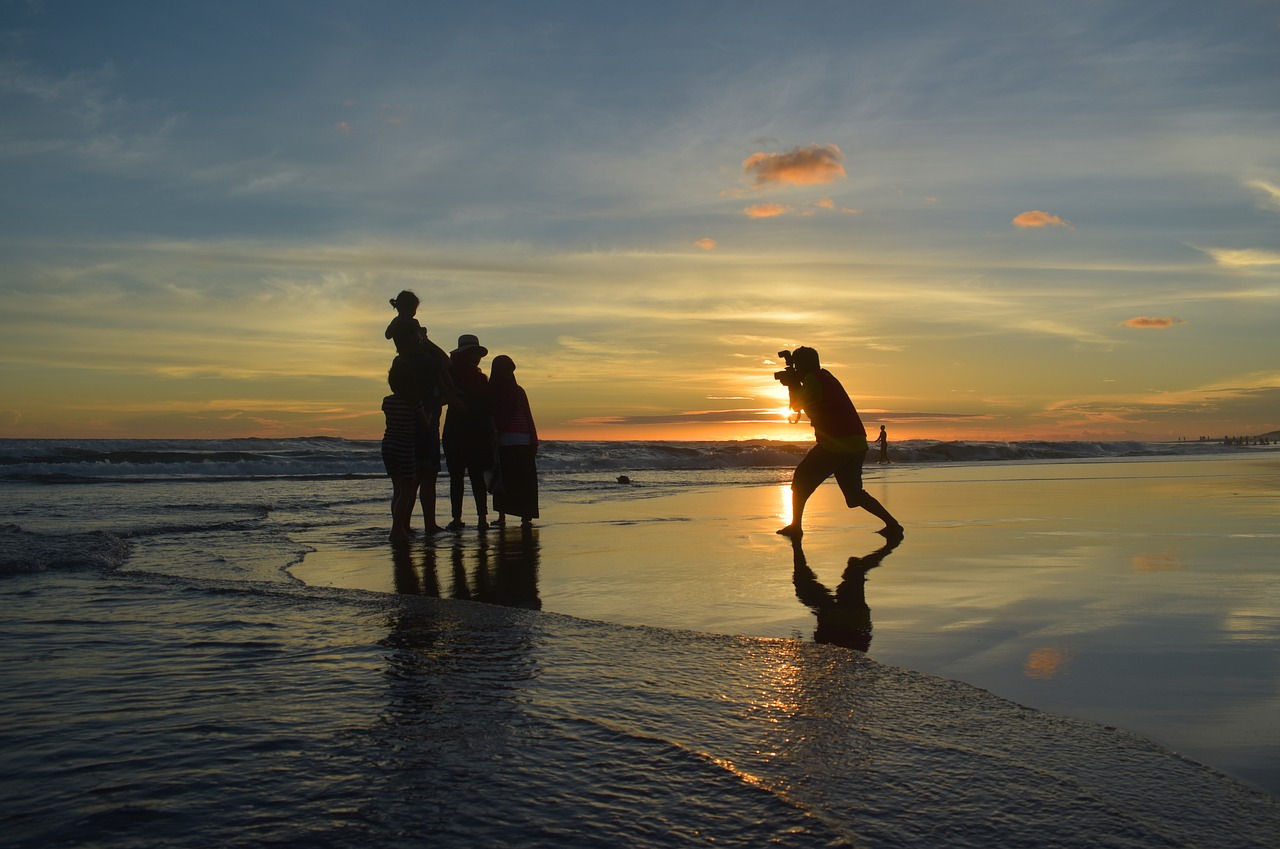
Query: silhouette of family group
{"x": 489, "y": 438}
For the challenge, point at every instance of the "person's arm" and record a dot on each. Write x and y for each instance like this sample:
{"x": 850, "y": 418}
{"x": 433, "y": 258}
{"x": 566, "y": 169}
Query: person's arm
{"x": 533, "y": 428}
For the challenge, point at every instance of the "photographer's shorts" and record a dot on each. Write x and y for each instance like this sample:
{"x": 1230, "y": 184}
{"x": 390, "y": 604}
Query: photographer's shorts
{"x": 820, "y": 464}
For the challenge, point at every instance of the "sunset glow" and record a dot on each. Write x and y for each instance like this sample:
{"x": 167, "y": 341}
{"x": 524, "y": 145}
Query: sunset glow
{"x": 1072, "y": 233}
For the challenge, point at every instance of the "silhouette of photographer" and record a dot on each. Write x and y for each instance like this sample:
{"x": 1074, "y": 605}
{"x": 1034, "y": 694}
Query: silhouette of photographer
{"x": 841, "y": 447}
{"x": 844, "y": 618}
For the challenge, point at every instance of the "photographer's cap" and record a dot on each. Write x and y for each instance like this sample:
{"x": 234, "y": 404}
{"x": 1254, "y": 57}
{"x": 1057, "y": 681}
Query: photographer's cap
{"x": 805, "y": 356}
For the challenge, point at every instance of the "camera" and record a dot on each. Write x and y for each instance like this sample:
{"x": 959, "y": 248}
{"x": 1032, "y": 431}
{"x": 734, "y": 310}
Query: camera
{"x": 788, "y": 376}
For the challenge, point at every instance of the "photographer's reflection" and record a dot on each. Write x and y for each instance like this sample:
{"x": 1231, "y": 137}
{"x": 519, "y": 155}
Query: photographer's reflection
{"x": 844, "y": 618}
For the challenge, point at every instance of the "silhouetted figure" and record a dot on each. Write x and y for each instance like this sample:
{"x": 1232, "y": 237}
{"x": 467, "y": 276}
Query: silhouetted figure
{"x": 431, "y": 369}
{"x": 517, "y": 444}
{"x": 883, "y": 441}
{"x": 844, "y": 617}
{"x": 404, "y": 419}
{"x": 468, "y": 432}
{"x": 841, "y": 447}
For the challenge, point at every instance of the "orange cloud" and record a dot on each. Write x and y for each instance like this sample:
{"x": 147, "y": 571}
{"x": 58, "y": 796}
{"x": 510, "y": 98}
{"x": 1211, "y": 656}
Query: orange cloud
{"x": 706, "y": 243}
{"x": 1036, "y": 218}
{"x": 803, "y": 166}
{"x": 766, "y": 210}
{"x": 1151, "y": 321}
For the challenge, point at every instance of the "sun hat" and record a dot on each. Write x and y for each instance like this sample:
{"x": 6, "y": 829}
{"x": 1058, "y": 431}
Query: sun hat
{"x": 468, "y": 341}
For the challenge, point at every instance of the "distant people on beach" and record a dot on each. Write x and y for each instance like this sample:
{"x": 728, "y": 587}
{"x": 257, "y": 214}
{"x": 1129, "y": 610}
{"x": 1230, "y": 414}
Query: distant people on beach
{"x": 517, "y": 488}
{"x": 841, "y": 447}
{"x": 883, "y": 441}
{"x": 844, "y": 617}
{"x": 469, "y": 434}
{"x": 405, "y": 417}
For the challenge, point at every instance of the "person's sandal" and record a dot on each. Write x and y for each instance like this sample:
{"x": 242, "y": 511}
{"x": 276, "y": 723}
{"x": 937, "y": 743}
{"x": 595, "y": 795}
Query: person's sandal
{"x": 455, "y": 525}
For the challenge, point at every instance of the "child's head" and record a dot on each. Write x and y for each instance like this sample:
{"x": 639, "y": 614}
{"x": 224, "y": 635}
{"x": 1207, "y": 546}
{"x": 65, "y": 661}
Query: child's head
{"x": 406, "y": 303}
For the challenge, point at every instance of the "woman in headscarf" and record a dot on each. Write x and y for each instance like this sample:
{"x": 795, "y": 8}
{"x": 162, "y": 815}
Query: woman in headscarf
{"x": 517, "y": 444}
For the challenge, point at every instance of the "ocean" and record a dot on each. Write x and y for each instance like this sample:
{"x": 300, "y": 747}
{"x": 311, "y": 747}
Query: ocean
{"x": 169, "y": 680}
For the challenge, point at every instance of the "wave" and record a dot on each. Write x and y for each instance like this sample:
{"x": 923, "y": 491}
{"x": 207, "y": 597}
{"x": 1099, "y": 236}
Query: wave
{"x": 80, "y": 461}
{"x": 25, "y": 552}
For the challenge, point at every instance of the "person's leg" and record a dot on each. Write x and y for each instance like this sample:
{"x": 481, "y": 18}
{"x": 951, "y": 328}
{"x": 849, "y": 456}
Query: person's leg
{"x": 849, "y": 476}
{"x": 480, "y": 495}
{"x": 395, "y": 507}
{"x": 402, "y": 493}
{"x": 428, "y": 460}
{"x": 427, "y": 495}
{"x": 457, "y": 484}
{"x": 812, "y": 471}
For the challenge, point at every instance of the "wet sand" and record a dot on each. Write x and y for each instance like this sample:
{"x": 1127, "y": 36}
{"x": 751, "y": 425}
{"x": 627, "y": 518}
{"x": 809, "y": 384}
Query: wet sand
{"x": 1143, "y": 595}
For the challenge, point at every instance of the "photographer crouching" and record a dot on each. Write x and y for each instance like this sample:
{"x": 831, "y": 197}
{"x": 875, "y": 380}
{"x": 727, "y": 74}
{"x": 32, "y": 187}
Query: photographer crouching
{"x": 842, "y": 441}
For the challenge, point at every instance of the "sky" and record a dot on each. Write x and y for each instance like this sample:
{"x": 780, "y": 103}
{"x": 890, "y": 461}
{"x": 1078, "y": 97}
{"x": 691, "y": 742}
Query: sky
{"x": 993, "y": 220}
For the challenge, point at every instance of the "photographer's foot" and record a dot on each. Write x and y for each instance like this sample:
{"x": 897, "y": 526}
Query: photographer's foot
{"x": 792, "y": 531}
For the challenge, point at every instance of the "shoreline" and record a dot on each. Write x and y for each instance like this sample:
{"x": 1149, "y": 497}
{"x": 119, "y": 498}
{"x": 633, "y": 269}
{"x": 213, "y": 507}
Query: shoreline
{"x": 1134, "y": 598}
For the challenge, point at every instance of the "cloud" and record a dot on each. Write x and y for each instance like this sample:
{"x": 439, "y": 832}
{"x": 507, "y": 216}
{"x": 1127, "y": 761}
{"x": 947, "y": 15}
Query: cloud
{"x": 1035, "y": 218}
{"x": 693, "y": 417}
{"x": 1270, "y": 192}
{"x": 1152, "y": 322}
{"x": 766, "y": 210}
{"x": 802, "y": 166}
{"x": 1246, "y": 258}
{"x": 706, "y": 243}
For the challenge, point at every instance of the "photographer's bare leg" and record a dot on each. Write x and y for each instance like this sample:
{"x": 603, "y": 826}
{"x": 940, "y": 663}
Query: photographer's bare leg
{"x": 892, "y": 529}
{"x": 850, "y": 479}
{"x": 798, "y": 499}
{"x": 812, "y": 471}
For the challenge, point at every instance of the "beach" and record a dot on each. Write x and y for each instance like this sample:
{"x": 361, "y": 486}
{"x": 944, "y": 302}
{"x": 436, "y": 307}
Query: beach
{"x": 1141, "y": 595}
{"x": 1073, "y": 652}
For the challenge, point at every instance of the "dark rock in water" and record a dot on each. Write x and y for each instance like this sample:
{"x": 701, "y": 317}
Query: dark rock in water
{"x": 623, "y": 479}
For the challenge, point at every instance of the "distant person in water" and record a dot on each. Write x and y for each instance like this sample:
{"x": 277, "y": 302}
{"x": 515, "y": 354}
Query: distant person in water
{"x": 404, "y": 417}
{"x": 469, "y": 436}
{"x": 517, "y": 444}
{"x": 883, "y": 441}
{"x": 841, "y": 447}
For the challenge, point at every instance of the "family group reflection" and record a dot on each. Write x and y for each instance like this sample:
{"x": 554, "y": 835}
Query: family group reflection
{"x": 498, "y": 568}
{"x": 844, "y": 618}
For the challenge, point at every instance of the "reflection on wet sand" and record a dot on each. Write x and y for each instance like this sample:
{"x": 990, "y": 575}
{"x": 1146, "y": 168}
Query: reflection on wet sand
{"x": 499, "y": 568}
{"x": 844, "y": 618}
